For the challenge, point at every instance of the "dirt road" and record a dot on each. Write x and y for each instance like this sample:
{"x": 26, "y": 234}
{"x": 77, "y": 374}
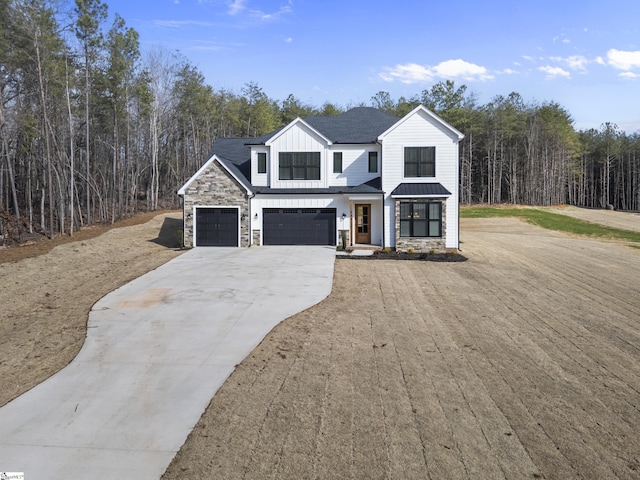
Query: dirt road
{"x": 523, "y": 362}
{"x": 608, "y": 218}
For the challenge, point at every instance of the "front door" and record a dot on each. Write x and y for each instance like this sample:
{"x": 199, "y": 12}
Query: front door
{"x": 363, "y": 223}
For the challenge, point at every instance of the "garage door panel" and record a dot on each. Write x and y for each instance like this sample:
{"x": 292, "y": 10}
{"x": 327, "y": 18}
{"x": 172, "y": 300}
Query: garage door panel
{"x": 217, "y": 227}
{"x": 299, "y": 226}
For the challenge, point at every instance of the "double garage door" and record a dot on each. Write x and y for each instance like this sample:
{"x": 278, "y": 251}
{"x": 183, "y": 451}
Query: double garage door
{"x": 299, "y": 226}
{"x": 219, "y": 227}
{"x": 216, "y": 227}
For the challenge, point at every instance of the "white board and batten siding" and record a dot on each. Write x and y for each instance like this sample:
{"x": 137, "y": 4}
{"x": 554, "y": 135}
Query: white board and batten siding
{"x": 298, "y": 137}
{"x": 355, "y": 165}
{"x": 260, "y": 179}
{"x": 421, "y": 130}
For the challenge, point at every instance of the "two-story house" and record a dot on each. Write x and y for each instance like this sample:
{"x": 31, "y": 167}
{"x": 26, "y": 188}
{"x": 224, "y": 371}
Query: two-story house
{"x": 386, "y": 181}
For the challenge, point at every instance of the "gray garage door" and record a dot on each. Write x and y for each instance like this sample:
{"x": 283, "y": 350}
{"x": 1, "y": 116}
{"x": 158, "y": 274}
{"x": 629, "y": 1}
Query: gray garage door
{"x": 216, "y": 227}
{"x": 299, "y": 226}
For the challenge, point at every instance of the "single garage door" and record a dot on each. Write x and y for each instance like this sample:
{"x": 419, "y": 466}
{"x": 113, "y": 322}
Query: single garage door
{"x": 299, "y": 226}
{"x": 216, "y": 227}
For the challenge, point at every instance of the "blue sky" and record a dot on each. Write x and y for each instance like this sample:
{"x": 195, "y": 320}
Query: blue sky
{"x": 584, "y": 55}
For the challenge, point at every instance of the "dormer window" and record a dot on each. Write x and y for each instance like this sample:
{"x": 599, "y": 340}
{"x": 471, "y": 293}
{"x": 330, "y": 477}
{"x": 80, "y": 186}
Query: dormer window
{"x": 337, "y": 162}
{"x": 373, "y": 162}
{"x": 262, "y": 162}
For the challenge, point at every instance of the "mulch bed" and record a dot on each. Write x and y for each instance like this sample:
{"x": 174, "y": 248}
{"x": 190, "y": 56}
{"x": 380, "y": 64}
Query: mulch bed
{"x": 425, "y": 257}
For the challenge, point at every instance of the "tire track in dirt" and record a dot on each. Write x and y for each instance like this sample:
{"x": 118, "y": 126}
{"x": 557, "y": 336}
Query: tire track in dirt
{"x": 519, "y": 355}
{"x": 506, "y": 453}
{"x": 586, "y": 325}
{"x": 616, "y": 432}
{"x": 504, "y": 366}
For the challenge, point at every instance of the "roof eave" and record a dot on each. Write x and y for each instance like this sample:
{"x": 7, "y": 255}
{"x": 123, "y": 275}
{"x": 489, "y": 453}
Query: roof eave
{"x": 432, "y": 195}
{"x": 222, "y": 163}
{"x": 294, "y": 122}
{"x": 429, "y": 113}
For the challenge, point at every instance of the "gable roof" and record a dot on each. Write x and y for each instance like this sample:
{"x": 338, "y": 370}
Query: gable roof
{"x": 229, "y": 166}
{"x": 358, "y": 125}
{"x": 298, "y": 121}
{"x": 435, "y": 118}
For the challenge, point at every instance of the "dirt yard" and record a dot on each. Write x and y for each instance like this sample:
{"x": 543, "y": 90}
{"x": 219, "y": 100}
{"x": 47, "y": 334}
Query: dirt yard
{"x": 48, "y": 289}
{"x": 522, "y": 362}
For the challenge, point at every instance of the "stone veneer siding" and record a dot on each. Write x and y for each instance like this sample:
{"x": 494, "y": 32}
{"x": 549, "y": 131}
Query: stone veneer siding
{"x": 215, "y": 186}
{"x": 256, "y": 238}
{"x": 422, "y": 244}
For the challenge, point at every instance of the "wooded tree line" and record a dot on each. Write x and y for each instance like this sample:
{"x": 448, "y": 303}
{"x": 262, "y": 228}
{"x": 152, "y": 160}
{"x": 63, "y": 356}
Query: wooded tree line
{"x": 93, "y": 131}
{"x": 529, "y": 153}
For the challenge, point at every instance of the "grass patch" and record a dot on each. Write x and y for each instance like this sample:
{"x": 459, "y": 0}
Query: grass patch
{"x": 553, "y": 221}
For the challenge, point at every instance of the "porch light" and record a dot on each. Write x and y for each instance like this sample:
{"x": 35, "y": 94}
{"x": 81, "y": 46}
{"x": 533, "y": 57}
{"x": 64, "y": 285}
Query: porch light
{"x": 255, "y": 216}
{"x": 344, "y": 215}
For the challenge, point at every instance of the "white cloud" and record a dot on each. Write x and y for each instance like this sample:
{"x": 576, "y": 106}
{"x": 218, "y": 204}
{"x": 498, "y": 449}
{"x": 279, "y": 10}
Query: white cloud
{"x": 212, "y": 46}
{"x": 409, "y": 73}
{"x": 623, "y": 60}
{"x": 460, "y": 69}
{"x": 577, "y": 62}
{"x": 554, "y": 72}
{"x": 288, "y": 40}
{"x": 237, "y": 6}
{"x": 449, "y": 69}
{"x": 269, "y": 17}
{"x": 630, "y": 75}
{"x": 181, "y": 23}
{"x": 561, "y": 39}
{"x": 574, "y": 62}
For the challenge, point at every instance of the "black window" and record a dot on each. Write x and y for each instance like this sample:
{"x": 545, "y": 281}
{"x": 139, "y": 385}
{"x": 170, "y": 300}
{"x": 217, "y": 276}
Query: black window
{"x": 373, "y": 162}
{"x": 419, "y": 161}
{"x": 299, "y": 166}
{"x": 420, "y": 219}
{"x": 262, "y": 162}
{"x": 337, "y": 162}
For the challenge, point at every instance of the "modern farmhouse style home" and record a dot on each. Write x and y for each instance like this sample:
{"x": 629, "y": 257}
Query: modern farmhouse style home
{"x": 364, "y": 175}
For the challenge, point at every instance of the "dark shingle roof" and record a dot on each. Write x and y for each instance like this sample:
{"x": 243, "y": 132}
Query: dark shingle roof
{"x": 420, "y": 190}
{"x": 358, "y": 125}
{"x": 235, "y": 155}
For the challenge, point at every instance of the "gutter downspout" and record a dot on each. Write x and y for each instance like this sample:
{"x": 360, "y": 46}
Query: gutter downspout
{"x": 384, "y": 223}
{"x": 184, "y": 219}
{"x": 249, "y": 197}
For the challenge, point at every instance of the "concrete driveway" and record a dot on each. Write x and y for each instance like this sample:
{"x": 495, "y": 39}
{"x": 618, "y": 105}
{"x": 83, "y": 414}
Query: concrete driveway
{"x": 157, "y": 350}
